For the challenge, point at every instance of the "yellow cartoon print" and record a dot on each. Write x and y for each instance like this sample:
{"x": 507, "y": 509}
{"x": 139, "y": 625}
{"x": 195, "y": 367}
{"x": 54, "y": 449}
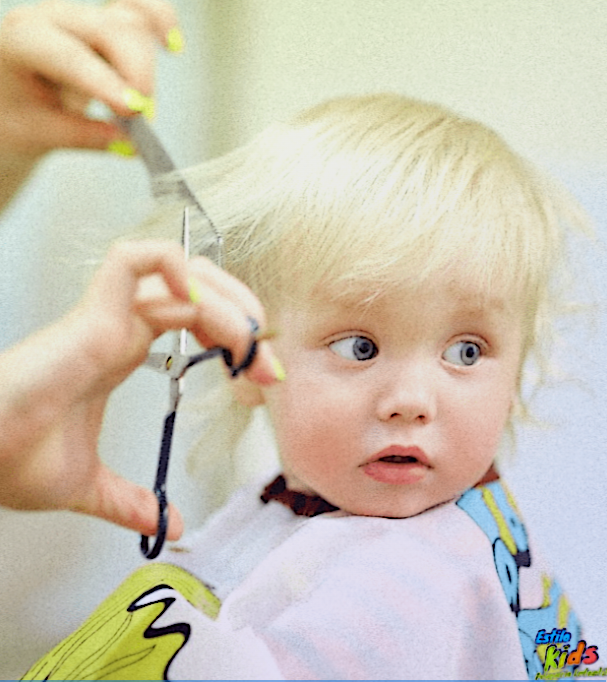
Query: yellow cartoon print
{"x": 131, "y": 636}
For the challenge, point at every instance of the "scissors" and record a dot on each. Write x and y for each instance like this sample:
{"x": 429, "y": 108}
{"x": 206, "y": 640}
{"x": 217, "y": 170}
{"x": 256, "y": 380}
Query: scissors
{"x": 177, "y": 362}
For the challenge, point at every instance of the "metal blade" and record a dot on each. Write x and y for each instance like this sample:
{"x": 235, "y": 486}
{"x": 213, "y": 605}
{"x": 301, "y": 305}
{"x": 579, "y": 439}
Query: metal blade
{"x": 156, "y": 159}
{"x": 167, "y": 184}
{"x": 150, "y": 148}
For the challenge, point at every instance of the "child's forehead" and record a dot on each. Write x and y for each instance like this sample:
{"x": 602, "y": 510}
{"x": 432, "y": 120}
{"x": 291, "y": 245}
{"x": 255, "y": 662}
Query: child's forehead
{"x": 449, "y": 300}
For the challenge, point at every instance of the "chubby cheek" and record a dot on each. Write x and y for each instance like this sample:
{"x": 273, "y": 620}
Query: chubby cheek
{"x": 313, "y": 424}
{"x": 477, "y": 429}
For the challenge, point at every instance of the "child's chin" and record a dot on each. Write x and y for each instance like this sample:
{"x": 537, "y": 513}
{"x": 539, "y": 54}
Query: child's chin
{"x": 395, "y": 509}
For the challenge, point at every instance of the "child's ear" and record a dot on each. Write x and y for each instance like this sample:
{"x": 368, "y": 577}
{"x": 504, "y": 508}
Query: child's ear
{"x": 246, "y": 392}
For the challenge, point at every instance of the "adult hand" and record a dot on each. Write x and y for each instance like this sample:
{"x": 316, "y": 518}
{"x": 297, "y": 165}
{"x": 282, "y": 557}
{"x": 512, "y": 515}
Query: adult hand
{"x": 54, "y": 386}
{"x": 56, "y": 56}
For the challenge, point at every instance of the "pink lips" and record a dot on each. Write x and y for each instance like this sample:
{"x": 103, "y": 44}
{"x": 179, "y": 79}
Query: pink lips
{"x": 397, "y": 465}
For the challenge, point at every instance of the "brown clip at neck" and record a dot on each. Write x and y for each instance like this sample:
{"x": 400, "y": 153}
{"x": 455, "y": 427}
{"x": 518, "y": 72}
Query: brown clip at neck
{"x": 300, "y": 503}
{"x": 313, "y": 505}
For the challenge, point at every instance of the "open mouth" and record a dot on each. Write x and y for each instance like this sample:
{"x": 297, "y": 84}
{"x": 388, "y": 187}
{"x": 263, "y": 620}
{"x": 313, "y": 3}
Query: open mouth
{"x": 398, "y": 459}
{"x": 398, "y": 465}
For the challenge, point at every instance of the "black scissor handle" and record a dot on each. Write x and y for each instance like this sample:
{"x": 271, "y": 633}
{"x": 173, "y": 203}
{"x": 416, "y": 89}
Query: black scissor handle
{"x": 167, "y": 438}
{"x": 160, "y": 491}
{"x": 163, "y": 522}
{"x": 250, "y": 356}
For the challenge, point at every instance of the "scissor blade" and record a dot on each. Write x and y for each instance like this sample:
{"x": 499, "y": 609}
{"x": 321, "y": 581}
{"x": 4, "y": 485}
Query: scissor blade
{"x": 157, "y": 161}
{"x": 172, "y": 365}
{"x": 150, "y": 148}
{"x": 160, "y": 362}
{"x": 167, "y": 183}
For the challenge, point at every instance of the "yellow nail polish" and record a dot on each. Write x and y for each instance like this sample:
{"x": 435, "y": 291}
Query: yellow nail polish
{"x": 175, "y": 40}
{"x": 122, "y": 148}
{"x": 195, "y": 293}
{"x": 268, "y": 335}
{"x": 279, "y": 371}
{"x": 135, "y": 101}
{"x": 150, "y": 109}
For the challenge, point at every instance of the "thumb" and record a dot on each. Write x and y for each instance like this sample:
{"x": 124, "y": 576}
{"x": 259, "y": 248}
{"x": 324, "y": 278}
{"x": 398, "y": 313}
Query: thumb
{"x": 126, "y": 504}
{"x": 62, "y": 129}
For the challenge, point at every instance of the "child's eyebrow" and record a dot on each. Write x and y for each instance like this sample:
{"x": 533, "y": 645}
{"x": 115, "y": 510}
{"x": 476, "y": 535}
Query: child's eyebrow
{"x": 492, "y": 312}
{"x": 486, "y": 306}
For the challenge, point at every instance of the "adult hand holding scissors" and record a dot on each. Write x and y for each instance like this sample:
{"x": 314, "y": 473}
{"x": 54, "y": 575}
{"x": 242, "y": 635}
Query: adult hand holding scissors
{"x": 55, "y": 57}
{"x": 54, "y": 386}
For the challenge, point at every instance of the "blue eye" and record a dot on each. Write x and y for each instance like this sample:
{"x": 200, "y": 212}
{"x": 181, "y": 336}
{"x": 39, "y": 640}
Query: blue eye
{"x": 355, "y": 348}
{"x": 463, "y": 353}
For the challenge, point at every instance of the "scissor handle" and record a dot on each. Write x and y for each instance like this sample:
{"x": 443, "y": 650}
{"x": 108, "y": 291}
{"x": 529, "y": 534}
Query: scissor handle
{"x": 163, "y": 522}
{"x": 252, "y": 351}
{"x": 160, "y": 491}
{"x": 167, "y": 436}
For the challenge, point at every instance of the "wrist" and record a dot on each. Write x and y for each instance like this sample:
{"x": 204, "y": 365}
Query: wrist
{"x": 14, "y": 170}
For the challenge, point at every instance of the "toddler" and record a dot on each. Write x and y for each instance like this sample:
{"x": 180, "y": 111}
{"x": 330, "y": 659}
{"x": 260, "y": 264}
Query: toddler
{"x": 410, "y": 262}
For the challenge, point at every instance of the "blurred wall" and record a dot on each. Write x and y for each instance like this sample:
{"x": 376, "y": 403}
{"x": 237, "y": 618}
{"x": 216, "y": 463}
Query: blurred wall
{"x": 533, "y": 71}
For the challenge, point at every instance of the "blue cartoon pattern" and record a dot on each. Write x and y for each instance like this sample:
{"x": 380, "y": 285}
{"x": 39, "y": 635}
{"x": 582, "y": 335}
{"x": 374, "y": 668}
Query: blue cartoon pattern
{"x": 494, "y": 510}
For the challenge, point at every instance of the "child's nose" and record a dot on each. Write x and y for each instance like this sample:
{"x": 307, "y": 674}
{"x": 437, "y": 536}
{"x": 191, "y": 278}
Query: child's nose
{"x": 407, "y": 394}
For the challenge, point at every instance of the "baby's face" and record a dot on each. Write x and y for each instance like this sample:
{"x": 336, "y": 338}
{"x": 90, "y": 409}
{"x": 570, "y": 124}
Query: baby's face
{"x": 395, "y": 409}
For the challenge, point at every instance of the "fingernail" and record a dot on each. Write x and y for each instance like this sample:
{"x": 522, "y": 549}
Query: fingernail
{"x": 279, "y": 371}
{"x": 122, "y": 148}
{"x": 175, "y": 41}
{"x": 135, "y": 101}
{"x": 195, "y": 293}
{"x": 267, "y": 335}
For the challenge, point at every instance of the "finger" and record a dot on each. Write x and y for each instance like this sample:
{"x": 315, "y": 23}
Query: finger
{"x": 159, "y": 15}
{"x": 63, "y": 129}
{"x": 222, "y": 323}
{"x": 224, "y": 305}
{"x": 263, "y": 369}
{"x": 73, "y": 101}
{"x": 140, "y": 25}
{"x": 134, "y": 56}
{"x": 164, "y": 315}
{"x": 61, "y": 57}
{"x": 209, "y": 274}
{"x": 215, "y": 321}
{"x": 64, "y": 46}
{"x": 115, "y": 285}
{"x": 266, "y": 369}
{"x": 128, "y": 505}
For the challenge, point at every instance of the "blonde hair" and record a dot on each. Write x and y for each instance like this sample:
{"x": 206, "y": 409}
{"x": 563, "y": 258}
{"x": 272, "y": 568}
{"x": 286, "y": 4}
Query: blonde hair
{"x": 362, "y": 195}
